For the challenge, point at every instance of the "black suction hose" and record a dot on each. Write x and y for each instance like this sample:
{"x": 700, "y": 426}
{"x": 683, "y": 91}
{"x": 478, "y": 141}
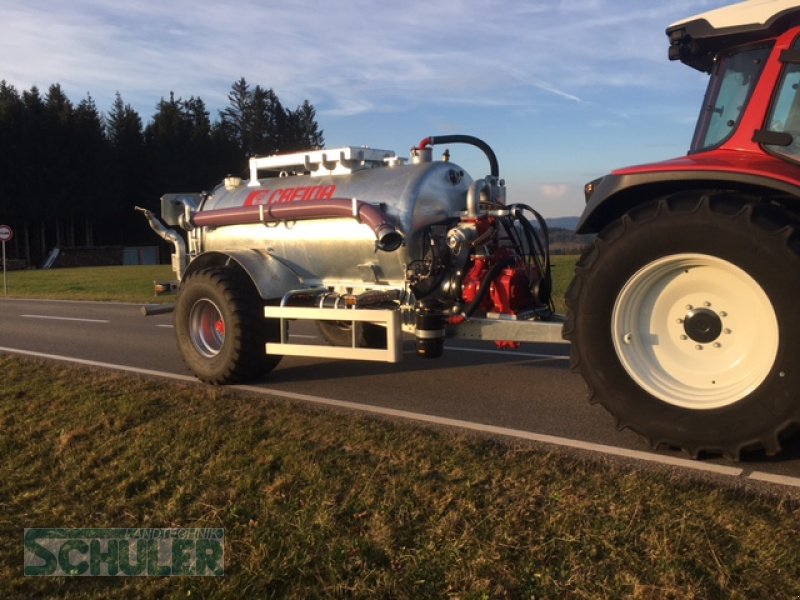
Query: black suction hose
{"x": 494, "y": 168}
{"x": 486, "y": 283}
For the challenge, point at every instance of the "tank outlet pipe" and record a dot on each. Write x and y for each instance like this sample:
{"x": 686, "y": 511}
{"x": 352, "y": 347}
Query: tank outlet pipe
{"x": 170, "y": 235}
{"x": 148, "y": 310}
{"x": 494, "y": 168}
{"x": 387, "y": 236}
{"x": 429, "y": 328}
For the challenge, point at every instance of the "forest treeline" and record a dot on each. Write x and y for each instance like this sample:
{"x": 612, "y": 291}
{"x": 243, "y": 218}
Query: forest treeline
{"x": 71, "y": 175}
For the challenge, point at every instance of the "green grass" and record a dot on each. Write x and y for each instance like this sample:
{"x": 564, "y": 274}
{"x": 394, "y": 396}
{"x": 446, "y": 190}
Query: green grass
{"x": 135, "y": 284}
{"x": 562, "y": 269}
{"x": 108, "y": 284}
{"x": 316, "y": 503}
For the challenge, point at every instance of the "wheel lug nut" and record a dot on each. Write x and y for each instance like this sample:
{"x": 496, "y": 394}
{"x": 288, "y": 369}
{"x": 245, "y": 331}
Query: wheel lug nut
{"x": 722, "y": 313}
{"x": 717, "y": 345}
{"x": 679, "y": 321}
{"x": 689, "y": 307}
{"x": 683, "y": 337}
{"x": 698, "y": 347}
{"x": 707, "y": 304}
{"x": 726, "y": 330}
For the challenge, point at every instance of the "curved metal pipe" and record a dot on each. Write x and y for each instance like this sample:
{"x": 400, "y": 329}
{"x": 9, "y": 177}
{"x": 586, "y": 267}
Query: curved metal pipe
{"x": 474, "y": 197}
{"x": 388, "y": 238}
{"x": 170, "y": 235}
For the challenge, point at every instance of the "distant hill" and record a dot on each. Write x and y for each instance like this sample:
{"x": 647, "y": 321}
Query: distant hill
{"x": 569, "y": 223}
{"x": 563, "y": 239}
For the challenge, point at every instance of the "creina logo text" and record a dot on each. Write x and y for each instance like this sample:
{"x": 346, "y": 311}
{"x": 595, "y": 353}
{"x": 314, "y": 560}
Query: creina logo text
{"x": 291, "y": 194}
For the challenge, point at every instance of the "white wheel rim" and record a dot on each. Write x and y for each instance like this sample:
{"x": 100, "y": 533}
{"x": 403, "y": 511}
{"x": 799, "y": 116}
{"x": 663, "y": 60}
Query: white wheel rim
{"x": 695, "y": 331}
{"x": 206, "y": 328}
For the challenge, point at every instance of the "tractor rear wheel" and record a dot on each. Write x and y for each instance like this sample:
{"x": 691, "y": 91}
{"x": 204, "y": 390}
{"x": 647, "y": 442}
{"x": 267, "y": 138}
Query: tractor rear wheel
{"x": 683, "y": 322}
{"x": 221, "y": 329}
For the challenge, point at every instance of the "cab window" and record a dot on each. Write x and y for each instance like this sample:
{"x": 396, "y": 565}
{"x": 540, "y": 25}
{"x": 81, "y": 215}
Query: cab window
{"x": 784, "y": 116}
{"x": 732, "y": 82}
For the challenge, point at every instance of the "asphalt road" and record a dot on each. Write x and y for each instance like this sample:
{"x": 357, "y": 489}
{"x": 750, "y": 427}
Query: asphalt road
{"x": 528, "y": 393}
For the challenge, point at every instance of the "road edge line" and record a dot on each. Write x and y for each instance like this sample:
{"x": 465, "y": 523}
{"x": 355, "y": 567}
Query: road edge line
{"x": 617, "y": 451}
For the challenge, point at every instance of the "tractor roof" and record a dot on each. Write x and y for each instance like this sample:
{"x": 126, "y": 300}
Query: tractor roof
{"x": 696, "y": 40}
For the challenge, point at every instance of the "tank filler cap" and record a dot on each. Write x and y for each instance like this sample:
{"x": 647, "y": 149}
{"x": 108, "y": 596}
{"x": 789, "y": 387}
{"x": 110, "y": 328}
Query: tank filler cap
{"x": 231, "y": 182}
{"x": 421, "y": 155}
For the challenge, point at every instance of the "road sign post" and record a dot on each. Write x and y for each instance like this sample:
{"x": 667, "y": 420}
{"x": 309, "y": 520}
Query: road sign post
{"x": 6, "y": 235}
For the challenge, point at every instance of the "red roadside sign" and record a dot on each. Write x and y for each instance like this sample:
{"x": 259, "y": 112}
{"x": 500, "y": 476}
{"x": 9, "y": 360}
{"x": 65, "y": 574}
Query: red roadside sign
{"x": 6, "y": 233}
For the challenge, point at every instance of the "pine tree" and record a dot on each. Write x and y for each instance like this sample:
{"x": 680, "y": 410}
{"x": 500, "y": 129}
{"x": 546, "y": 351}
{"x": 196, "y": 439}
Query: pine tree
{"x": 256, "y": 121}
{"x": 92, "y": 191}
{"x": 128, "y": 170}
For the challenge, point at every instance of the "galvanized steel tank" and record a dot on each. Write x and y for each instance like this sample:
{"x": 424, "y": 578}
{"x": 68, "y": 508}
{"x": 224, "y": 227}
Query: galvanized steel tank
{"x": 340, "y": 249}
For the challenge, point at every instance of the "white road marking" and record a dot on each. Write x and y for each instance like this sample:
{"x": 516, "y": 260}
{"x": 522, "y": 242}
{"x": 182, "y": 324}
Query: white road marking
{"x": 458, "y": 423}
{"x": 510, "y": 353}
{"x": 95, "y": 363}
{"x": 772, "y": 478}
{"x": 95, "y": 302}
{"x": 53, "y": 318}
{"x": 164, "y": 325}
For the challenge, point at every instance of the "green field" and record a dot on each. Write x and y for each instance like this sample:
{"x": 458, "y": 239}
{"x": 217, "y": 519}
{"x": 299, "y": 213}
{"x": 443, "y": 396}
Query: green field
{"x": 325, "y": 504}
{"x": 135, "y": 284}
{"x": 108, "y": 284}
{"x": 322, "y": 504}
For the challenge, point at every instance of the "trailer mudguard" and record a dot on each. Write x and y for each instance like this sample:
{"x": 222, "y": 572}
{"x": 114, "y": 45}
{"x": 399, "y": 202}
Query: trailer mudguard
{"x": 271, "y": 277}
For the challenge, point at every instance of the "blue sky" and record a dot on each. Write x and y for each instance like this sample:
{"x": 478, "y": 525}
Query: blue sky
{"x": 563, "y": 90}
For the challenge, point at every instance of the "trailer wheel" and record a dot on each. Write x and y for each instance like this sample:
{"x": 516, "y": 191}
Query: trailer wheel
{"x": 221, "y": 329}
{"x": 683, "y": 323}
{"x": 340, "y": 333}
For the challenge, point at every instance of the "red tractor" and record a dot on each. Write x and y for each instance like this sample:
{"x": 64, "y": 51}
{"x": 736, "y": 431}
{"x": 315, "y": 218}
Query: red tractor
{"x": 683, "y": 315}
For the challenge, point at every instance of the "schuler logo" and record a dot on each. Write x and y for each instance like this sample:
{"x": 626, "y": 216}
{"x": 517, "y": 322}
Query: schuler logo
{"x": 125, "y": 552}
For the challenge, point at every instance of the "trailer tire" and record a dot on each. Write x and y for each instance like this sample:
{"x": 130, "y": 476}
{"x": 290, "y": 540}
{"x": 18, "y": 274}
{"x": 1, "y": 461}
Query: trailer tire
{"x": 340, "y": 333}
{"x": 683, "y": 322}
{"x": 221, "y": 329}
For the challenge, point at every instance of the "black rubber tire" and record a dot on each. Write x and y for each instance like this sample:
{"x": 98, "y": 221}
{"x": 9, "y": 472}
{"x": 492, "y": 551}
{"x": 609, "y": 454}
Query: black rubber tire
{"x": 758, "y": 239}
{"x": 340, "y": 333}
{"x": 238, "y": 354}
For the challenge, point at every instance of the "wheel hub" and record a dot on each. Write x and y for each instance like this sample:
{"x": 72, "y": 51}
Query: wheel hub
{"x": 206, "y": 328}
{"x": 702, "y": 325}
{"x": 695, "y": 331}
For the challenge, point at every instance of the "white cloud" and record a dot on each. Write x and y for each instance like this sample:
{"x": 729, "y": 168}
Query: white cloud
{"x": 554, "y": 190}
{"x": 348, "y": 57}
{"x": 564, "y": 90}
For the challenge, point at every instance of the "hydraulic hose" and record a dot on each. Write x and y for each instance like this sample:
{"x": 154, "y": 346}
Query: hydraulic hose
{"x": 494, "y": 168}
{"x": 486, "y": 283}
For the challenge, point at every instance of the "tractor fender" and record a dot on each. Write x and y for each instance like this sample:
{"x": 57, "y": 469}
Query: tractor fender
{"x": 611, "y": 196}
{"x": 271, "y": 277}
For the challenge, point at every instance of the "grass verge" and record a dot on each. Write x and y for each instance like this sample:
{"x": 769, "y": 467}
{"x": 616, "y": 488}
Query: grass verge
{"x": 323, "y": 504}
{"x": 135, "y": 283}
{"x": 106, "y": 284}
